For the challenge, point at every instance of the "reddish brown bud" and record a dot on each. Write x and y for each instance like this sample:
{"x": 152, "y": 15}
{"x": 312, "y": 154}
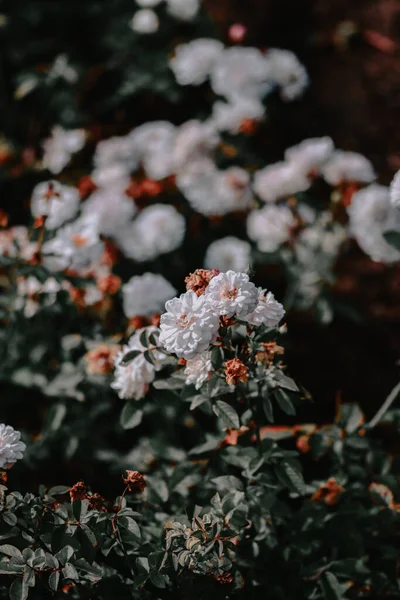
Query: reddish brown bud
{"x": 78, "y": 491}
{"x": 134, "y": 480}
{"x": 235, "y": 371}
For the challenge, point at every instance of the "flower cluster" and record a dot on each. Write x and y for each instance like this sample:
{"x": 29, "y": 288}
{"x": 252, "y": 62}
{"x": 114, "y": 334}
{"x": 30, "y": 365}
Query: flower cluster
{"x": 191, "y": 323}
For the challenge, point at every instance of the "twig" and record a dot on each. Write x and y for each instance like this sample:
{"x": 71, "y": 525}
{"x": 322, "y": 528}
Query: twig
{"x": 385, "y": 407}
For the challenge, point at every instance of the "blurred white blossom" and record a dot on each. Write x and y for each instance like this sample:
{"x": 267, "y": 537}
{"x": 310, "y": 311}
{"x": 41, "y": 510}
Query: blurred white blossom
{"x": 193, "y": 62}
{"x": 229, "y": 253}
{"x": 145, "y": 21}
{"x": 395, "y": 190}
{"x": 75, "y": 246}
{"x": 347, "y": 166}
{"x": 310, "y": 154}
{"x": 371, "y": 215}
{"x": 279, "y": 180}
{"x": 183, "y": 10}
{"x": 198, "y": 369}
{"x": 240, "y": 71}
{"x": 286, "y": 72}
{"x": 270, "y": 227}
{"x": 59, "y": 148}
{"x": 158, "y": 229}
{"x": 144, "y": 295}
{"x": 59, "y": 203}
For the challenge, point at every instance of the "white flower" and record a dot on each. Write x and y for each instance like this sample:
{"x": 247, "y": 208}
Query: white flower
{"x": 213, "y": 192}
{"x": 59, "y": 203}
{"x": 231, "y": 294}
{"x": 116, "y": 151}
{"x": 371, "y": 215}
{"x": 184, "y": 10}
{"x": 145, "y": 20}
{"x": 192, "y": 62}
{"x": 198, "y": 369}
{"x": 269, "y": 312}
{"x": 347, "y": 166}
{"x": 148, "y": 3}
{"x": 240, "y": 71}
{"x": 132, "y": 380}
{"x": 228, "y": 253}
{"x": 153, "y": 143}
{"x": 110, "y": 208}
{"x": 59, "y": 148}
{"x": 270, "y": 227}
{"x": 194, "y": 140}
{"x": 395, "y": 190}
{"x": 310, "y": 154}
{"x": 158, "y": 229}
{"x": 228, "y": 116}
{"x": 146, "y": 294}
{"x": 11, "y": 447}
{"x": 28, "y": 290}
{"x": 189, "y": 326}
{"x": 61, "y": 69}
{"x": 286, "y": 72}
{"x": 279, "y": 180}
{"x": 15, "y": 241}
{"x": 152, "y": 344}
{"x": 75, "y": 246}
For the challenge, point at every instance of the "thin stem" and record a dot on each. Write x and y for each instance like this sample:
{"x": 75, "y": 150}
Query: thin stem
{"x": 385, "y": 406}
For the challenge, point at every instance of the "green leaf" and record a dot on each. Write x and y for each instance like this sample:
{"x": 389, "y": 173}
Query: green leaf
{"x": 392, "y": 238}
{"x": 227, "y": 483}
{"x": 54, "y": 580}
{"x": 198, "y": 401}
{"x": 330, "y": 586}
{"x": 69, "y": 572}
{"x": 285, "y": 382}
{"x": 58, "y": 490}
{"x": 217, "y": 357}
{"x": 129, "y": 357}
{"x": 267, "y": 405}
{"x": 290, "y": 477}
{"x": 18, "y": 590}
{"x": 9, "y": 550}
{"x": 143, "y": 338}
{"x": 131, "y": 415}
{"x": 6, "y": 568}
{"x": 130, "y": 525}
{"x": 10, "y": 518}
{"x": 157, "y": 579}
{"x": 227, "y": 414}
{"x": 284, "y": 402}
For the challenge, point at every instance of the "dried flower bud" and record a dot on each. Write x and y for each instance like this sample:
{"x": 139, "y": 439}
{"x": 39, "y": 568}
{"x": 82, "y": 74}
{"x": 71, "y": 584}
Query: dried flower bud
{"x": 101, "y": 359}
{"x": 109, "y": 284}
{"x": 235, "y": 371}
{"x": 86, "y": 186}
{"x": 328, "y": 493}
{"x": 267, "y": 354}
{"x": 78, "y": 491}
{"x": 134, "y": 480}
{"x": 96, "y": 502}
{"x": 199, "y": 280}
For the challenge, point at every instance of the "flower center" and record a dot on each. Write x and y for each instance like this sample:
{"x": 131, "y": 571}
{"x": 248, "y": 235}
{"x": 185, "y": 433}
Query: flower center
{"x": 79, "y": 240}
{"x": 229, "y": 294}
{"x": 184, "y": 321}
